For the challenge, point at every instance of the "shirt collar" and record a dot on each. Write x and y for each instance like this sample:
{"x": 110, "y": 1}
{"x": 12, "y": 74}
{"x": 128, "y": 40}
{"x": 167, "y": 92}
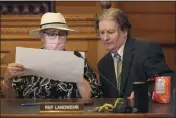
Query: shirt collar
{"x": 120, "y": 51}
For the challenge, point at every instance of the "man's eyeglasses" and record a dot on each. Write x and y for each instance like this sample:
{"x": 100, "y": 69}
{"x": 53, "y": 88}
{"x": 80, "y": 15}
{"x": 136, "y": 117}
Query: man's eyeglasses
{"x": 61, "y": 35}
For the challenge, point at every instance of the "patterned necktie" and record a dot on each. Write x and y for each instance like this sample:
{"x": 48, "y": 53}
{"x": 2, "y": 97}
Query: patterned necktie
{"x": 118, "y": 69}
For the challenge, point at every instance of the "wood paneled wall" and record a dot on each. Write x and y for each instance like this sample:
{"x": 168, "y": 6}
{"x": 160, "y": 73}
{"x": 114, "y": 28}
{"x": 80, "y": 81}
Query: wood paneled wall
{"x": 154, "y": 21}
{"x": 150, "y": 20}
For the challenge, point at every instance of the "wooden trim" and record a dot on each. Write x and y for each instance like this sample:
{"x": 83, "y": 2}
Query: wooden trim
{"x": 3, "y": 70}
{"x": 85, "y": 115}
{"x": 7, "y": 24}
{"x": 68, "y": 17}
{"x": 26, "y": 37}
{"x": 148, "y": 7}
{"x": 92, "y": 54}
{"x": 170, "y": 45}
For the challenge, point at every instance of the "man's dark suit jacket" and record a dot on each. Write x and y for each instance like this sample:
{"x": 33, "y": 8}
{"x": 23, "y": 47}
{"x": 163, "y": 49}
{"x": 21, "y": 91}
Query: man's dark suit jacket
{"x": 142, "y": 59}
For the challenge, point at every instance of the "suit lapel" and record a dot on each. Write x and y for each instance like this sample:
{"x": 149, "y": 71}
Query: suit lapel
{"x": 126, "y": 65}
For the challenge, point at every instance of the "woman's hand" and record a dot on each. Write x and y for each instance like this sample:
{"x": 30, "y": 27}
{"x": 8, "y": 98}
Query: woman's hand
{"x": 13, "y": 70}
{"x": 84, "y": 89}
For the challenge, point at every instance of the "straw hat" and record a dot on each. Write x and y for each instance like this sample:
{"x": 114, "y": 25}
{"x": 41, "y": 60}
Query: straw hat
{"x": 50, "y": 20}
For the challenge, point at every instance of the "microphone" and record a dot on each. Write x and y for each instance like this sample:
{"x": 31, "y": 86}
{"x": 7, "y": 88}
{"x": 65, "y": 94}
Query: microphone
{"x": 122, "y": 107}
{"x": 78, "y": 54}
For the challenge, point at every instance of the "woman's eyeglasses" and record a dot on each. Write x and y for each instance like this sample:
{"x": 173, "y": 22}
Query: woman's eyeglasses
{"x": 61, "y": 35}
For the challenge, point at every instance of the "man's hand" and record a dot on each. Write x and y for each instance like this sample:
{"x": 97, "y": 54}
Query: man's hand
{"x": 84, "y": 88}
{"x": 131, "y": 97}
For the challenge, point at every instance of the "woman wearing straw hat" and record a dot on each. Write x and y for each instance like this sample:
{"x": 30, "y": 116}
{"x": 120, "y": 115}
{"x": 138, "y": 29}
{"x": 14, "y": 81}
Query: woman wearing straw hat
{"x": 53, "y": 32}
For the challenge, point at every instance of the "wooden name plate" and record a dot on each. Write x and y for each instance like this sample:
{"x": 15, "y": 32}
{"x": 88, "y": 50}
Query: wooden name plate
{"x": 66, "y": 107}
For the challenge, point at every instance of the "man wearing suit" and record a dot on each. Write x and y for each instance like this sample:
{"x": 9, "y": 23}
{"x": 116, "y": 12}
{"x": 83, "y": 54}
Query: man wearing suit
{"x": 129, "y": 60}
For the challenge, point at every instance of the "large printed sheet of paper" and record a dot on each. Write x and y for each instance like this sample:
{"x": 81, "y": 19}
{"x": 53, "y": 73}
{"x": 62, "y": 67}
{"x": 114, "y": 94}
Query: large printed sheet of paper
{"x": 56, "y": 65}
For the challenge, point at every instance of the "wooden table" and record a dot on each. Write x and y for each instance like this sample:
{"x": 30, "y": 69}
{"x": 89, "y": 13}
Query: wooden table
{"x": 12, "y": 108}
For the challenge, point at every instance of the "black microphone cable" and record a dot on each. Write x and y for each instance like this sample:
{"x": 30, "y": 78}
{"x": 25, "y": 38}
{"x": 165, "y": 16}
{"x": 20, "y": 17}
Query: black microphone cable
{"x": 120, "y": 106}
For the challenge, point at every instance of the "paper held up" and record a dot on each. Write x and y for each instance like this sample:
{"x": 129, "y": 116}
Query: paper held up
{"x": 52, "y": 64}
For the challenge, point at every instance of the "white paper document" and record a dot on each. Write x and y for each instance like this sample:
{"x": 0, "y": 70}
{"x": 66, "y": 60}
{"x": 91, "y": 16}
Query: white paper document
{"x": 56, "y": 65}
